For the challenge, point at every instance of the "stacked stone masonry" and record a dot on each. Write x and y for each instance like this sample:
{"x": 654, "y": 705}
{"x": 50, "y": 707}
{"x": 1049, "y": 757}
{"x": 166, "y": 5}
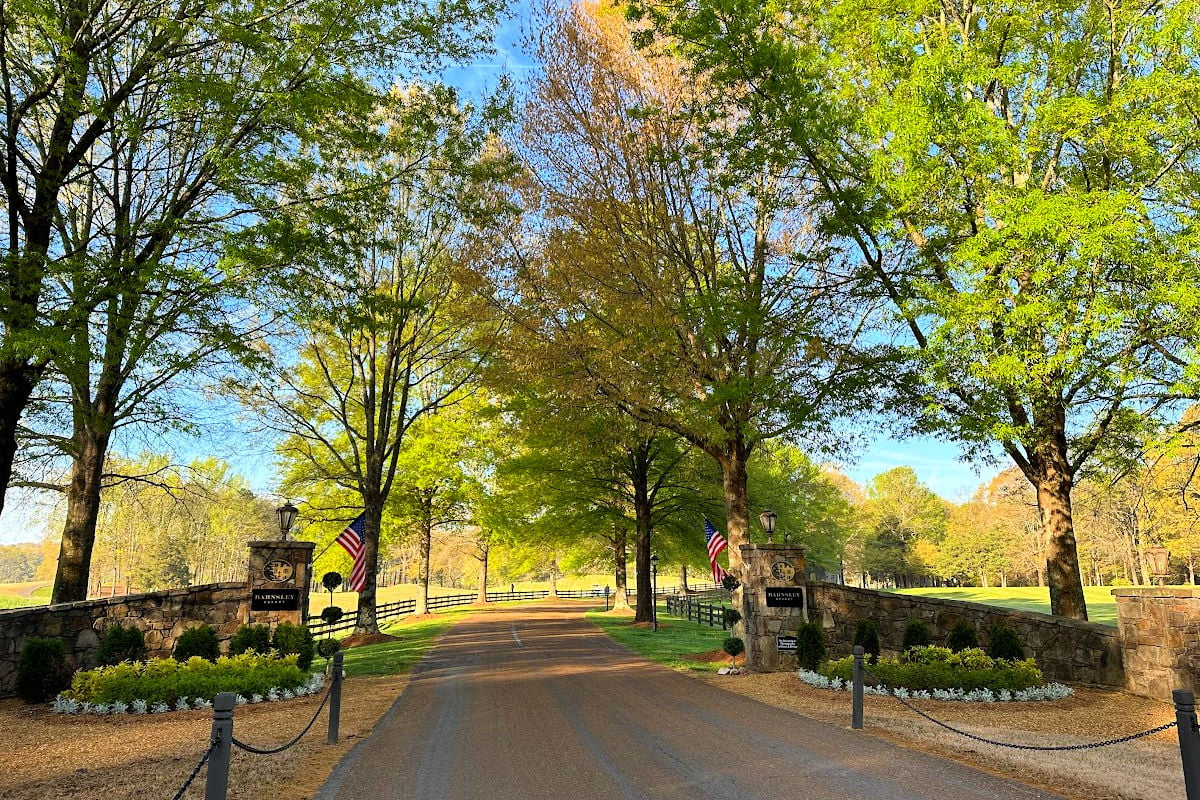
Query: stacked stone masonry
{"x": 1160, "y": 634}
{"x": 163, "y": 616}
{"x": 1065, "y": 649}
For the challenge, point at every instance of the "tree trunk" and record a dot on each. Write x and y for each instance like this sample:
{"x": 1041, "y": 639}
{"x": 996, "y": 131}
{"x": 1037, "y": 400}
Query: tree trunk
{"x": 17, "y": 380}
{"x": 620, "y": 568}
{"x": 1062, "y": 555}
{"x": 554, "y": 576}
{"x": 426, "y": 545}
{"x": 483, "y": 570}
{"x": 683, "y": 587}
{"x": 737, "y": 506}
{"x": 367, "y": 621}
{"x": 83, "y": 509}
{"x": 645, "y": 591}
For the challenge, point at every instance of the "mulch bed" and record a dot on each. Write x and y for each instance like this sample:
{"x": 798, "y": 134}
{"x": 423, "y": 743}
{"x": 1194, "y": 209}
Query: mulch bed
{"x": 713, "y": 656}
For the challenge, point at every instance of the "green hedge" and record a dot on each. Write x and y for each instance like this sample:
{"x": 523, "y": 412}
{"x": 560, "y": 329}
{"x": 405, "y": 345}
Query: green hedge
{"x": 939, "y": 668}
{"x": 164, "y": 680}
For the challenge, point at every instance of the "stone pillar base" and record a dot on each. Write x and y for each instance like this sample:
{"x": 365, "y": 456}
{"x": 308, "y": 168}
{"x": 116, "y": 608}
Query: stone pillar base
{"x": 774, "y": 602}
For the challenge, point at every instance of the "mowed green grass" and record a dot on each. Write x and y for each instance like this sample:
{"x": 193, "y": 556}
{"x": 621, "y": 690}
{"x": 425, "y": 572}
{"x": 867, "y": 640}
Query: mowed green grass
{"x": 14, "y": 601}
{"x": 398, "y": 657}
{"x": 1102, "y": 606}
{"x": 675, "y": 640}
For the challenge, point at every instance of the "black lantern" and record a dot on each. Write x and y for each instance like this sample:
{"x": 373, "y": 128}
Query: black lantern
{"x": 287, "y": 515}
{"x": 767, "y": 520}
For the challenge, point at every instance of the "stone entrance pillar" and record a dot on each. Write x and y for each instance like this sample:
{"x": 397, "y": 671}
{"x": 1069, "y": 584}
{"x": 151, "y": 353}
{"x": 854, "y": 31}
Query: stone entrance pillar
{"x": 774, "y": 603}
{"x": 1160, "y": 638}
{"x": 280, "y": 575}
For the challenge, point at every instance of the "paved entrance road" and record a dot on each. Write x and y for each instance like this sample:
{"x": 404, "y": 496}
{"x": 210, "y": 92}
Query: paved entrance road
{"x": 535, "y": 702}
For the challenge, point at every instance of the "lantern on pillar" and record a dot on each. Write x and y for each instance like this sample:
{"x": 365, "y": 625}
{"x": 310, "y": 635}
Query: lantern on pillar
{"x": 767, "y": 520}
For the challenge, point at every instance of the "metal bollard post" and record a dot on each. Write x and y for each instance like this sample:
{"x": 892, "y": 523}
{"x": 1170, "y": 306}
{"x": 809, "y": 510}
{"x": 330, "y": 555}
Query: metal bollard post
{"x": 216, "y": 783}
{"x": 856, "y": 713}
{"x": 335, "y": 698}
{"x": 1189, "y": 740}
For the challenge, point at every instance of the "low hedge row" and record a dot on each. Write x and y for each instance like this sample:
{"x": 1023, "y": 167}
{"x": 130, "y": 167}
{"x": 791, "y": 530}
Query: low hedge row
{"x": 164, "y": 680}
{"x": 928, "y": 668}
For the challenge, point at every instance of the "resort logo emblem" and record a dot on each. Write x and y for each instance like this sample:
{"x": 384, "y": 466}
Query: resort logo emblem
{"x": 278, "y": 571}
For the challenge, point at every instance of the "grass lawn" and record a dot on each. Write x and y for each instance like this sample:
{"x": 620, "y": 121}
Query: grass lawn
{"x": 14, "y": 601}
{"x": 675, "y": 639}
{"x": 1102, "y": 607}
{"x": 397, "y": 658}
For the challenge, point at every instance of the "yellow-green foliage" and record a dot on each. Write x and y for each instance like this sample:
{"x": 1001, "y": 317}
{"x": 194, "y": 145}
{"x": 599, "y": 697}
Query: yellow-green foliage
{"x": 164, "y": 680}
{"x": 941, "y": 668}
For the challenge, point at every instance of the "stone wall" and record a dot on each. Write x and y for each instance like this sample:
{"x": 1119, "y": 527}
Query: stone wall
{"x": 1064, "y": 649}
{"x": 163, "y": 616}
{"x": 1160, "y": 633}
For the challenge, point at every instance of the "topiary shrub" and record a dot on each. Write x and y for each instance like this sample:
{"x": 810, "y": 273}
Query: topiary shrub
{"x": 250, "y": 637}
{"x": 1004, "y": 644}
{"x": 962, "y": 636}
{"x": 296, "y": 639}
{"x": 42, "y": 671}
{"x": 810, "y": 646}
{"x": 121, "y": 644}
{"x": 916, "y": 634}
{"x": 731, "y": 616}
{"x": 327, "y": 647}
{"x": 332, "y": 614}
{"x": 866, "y": 635}
{"x": 729, "y": 583}
{"x": 734, "y": 647}
{"x": 200, "y": 641}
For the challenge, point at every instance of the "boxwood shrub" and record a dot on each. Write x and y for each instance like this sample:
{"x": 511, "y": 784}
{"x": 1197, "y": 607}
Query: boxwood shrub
{"x": 250, "y": 637}
{"x": 931, "y": 668}
{"x": 295, "y": 639}
{"x": 42, "y": 670}
{"x": 199, "y": 641}
{"x": 121, "y": 644}
{"x": 165, "y": 680}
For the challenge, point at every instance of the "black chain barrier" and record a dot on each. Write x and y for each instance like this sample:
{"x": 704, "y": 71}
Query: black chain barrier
{"x": 199, "y": 766}
{"x": 260, "y": 751}
{"x": 1013, "y": 745}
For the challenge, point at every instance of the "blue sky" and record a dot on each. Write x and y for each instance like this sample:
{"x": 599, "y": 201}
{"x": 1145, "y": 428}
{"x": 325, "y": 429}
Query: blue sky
{"x": 937, "y": 463}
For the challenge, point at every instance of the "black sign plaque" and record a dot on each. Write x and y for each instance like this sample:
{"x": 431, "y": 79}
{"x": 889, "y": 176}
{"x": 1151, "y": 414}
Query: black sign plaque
{"x": 275, "y": 600}
{"x": 785, "y": 644}
{"x": 785, "y": 597}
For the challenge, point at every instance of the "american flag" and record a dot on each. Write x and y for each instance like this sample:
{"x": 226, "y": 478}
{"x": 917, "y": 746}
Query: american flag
{"x": 716, "y": 543}
{"x": 352, "y": 539}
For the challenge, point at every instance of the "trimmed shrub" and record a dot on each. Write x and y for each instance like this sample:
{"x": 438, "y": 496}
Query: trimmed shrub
{"x": 928, "y": 668}
{"x": 42, "y": 671}
{"x": 734, "y": 646}
{"x": 332, "y": 614}
{"x": 250, "y": 637}
{"x": 962, "y": 636}
{"x": 165, "y": 680}
{"x": 916, "y": 634}
{"x": 1004, "y": 644}
{"x": 121, "y": 644}
{"x": 732, "y": 617}
{"x": 327, "y": 647}
{"x": 295, "y": 639}
{"x": 200, "y": 641}
{"x": 810, "y": 646}
{"x": 866, "y": 635}
{"x": 729, "y": 583}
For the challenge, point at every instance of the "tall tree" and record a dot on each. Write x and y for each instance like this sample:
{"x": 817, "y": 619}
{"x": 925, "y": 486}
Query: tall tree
{"x": 84, "y": 83}
{"x": 385, "y": 333}
{"x": 1019, "y": 181}
{"x": 665, "y": 285}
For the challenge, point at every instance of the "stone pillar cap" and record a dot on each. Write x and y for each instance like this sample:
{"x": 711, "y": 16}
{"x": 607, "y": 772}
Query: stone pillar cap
{"x": 773, "y": 546}
{"x": 292, "y": 543}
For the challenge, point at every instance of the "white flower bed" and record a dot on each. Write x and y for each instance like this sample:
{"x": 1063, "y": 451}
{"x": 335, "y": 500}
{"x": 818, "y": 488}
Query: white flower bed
{"x": 1051, "y": 691}
{"x": 65, "y": 705}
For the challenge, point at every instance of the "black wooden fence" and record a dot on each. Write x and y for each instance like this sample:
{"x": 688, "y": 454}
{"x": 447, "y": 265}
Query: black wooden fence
{"x": 696, "y": 610}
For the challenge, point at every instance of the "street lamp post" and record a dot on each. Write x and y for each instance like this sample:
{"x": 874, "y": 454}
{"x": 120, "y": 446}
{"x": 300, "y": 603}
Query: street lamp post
{"x": 287, "y": 516}
{"x": 654, "y": 593}
{"x": 767, "y": 520}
